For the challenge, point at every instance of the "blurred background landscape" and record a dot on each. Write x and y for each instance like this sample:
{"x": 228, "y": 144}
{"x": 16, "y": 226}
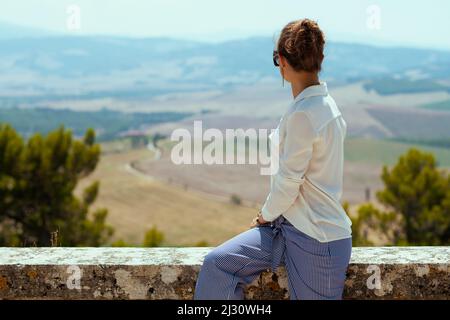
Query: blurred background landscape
{"x": 134, "y": 91}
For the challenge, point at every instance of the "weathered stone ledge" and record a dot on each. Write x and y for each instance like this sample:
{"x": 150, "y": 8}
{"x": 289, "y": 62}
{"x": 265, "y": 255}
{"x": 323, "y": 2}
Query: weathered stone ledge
{"x": 170, "y": 273}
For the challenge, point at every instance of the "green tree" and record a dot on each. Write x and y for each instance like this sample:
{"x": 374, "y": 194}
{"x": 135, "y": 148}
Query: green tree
{"x": 420, "y": 192}
{"x": 387, "y": 225}
{"x": 153, "y": 238}
{"x": 37, "y": 182}
{"x": 417, "y": 195}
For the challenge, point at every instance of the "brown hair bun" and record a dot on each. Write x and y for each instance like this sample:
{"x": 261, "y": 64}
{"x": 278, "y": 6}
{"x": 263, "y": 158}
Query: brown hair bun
{"x": 302, "y": 43}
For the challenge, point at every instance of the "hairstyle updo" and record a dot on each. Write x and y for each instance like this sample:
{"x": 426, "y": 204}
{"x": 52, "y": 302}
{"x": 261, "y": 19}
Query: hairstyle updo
{"x": 302, "y": 43}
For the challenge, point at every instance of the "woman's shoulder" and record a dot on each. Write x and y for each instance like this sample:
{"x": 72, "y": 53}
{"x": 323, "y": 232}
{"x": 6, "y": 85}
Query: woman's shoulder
{"x": 319, "y": 110}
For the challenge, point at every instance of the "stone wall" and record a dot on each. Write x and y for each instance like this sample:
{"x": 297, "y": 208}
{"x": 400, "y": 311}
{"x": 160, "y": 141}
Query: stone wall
{"x": 170, "y": 273}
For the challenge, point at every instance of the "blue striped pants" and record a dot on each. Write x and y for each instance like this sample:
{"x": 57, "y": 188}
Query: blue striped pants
{"x": 315, "y": 270}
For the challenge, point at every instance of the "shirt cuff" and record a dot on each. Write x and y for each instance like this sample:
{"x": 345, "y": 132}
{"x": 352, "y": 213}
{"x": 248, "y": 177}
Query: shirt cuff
{"x": 267, "y": 216}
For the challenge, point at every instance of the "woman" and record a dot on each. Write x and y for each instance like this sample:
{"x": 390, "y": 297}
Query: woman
{"x": 302, "y": 223}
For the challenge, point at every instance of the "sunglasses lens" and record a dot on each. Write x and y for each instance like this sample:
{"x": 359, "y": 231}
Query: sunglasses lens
{"x": 276, "y": 59}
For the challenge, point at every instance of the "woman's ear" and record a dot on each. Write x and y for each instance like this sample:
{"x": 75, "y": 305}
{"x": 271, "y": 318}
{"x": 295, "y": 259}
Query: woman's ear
{"x": 282, "y": 61}
{"x": 282, "y": 69}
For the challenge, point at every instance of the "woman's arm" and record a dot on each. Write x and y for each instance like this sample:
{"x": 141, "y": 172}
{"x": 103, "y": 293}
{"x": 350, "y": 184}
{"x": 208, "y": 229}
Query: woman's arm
{"x": 293, "y": 163}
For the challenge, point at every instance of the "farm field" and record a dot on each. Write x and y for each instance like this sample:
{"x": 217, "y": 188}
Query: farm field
{"x": 136, "y": 203}
{"x": 373, "y": 151}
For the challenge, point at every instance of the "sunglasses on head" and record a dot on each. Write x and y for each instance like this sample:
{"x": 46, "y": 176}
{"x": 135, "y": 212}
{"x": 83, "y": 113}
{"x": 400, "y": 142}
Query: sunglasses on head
{"x": 276, "y": 58}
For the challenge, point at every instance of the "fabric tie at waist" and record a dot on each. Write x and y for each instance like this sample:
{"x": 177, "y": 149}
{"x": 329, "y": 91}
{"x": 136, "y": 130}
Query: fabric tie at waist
{"x": 278, "y": 242}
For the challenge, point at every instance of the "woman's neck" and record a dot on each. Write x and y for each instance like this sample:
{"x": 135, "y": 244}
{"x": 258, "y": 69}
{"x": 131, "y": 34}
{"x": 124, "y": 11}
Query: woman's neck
{"x": 303, "y": 81}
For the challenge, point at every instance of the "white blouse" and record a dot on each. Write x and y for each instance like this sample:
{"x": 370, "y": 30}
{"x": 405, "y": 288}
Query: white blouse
{"x": 307, "y": 187}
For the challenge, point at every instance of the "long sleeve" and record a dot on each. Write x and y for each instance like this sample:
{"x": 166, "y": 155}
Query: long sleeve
{"x": 293, "y": 162}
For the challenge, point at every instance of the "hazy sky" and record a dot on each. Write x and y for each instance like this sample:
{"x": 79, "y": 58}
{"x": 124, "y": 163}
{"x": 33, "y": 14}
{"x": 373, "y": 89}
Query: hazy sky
{"x": 394, "y": 22}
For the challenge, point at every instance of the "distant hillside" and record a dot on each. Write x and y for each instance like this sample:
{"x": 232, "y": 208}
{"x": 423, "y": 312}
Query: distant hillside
{"x": 440, "y": 106}
{"x": 236, "y": 78}
{"x": 407, "y": 125}
{"x": 390, "y": 85}
{"x": 88, "y": 67}
{"x": 107, "y": 123}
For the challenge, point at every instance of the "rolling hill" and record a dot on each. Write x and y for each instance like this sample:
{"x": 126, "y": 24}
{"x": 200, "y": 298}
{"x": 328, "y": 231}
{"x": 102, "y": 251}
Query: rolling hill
{"x": 41, "y": 68}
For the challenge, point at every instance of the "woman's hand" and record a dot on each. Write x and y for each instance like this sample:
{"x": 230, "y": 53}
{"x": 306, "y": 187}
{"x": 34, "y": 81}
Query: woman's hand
{"x": 258, "y": 221}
